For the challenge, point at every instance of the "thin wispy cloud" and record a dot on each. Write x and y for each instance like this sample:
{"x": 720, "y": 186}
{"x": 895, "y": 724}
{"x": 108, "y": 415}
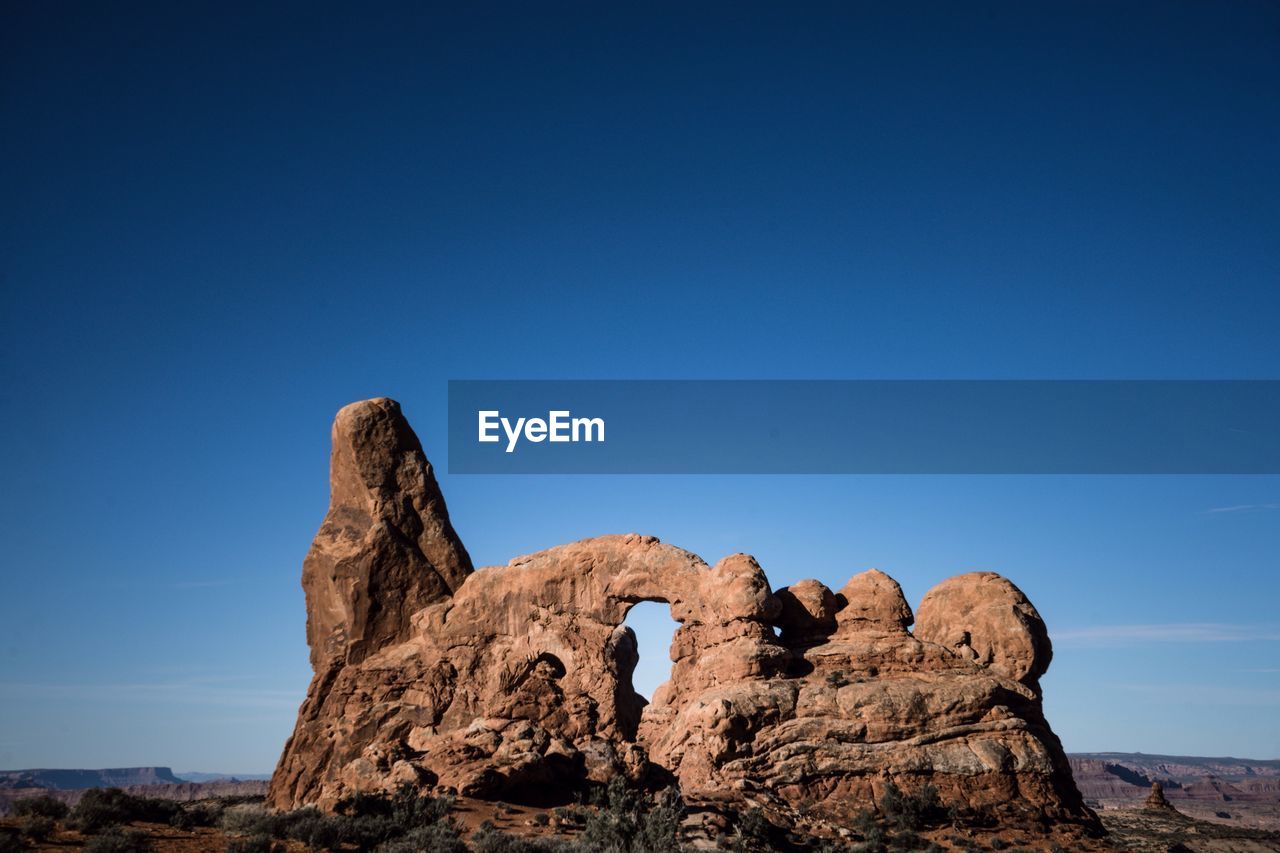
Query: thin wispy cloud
{"x": 1243, "y": 508}
{"x": 1206, "y": 694}
{"x": 1170, "y": 632}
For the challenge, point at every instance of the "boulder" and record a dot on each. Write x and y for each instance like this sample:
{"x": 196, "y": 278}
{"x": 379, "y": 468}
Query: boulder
{"x": 985, "y": 618}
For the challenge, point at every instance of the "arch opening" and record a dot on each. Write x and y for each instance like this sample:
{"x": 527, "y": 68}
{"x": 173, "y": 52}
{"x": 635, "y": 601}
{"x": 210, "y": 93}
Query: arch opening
{"x": 654, "y": 630}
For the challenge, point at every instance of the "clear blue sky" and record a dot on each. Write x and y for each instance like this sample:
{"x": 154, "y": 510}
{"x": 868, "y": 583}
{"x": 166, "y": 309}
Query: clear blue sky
{"x": 221, "y": 224}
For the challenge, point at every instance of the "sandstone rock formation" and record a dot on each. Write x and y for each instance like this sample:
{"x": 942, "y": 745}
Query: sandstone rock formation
{"x": 514, "y": 682}
{"x": 386, "y": 549}
{"x": 1156, "y": 801}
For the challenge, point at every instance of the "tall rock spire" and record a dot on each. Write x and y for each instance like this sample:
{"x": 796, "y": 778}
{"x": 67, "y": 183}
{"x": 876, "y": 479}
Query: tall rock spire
{"x": 386, "y": 548}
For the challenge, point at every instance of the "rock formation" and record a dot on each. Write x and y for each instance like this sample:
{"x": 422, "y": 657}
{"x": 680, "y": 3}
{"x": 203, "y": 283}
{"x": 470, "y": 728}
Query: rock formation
{"x": 514, "y": 682}
{"x": 1156, "y": 801}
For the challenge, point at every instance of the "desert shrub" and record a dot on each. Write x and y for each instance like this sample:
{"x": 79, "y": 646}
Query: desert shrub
{"x": 912, "y": 811}
{"x": 440, "y": 837}
{"x": 204, "y": 812}
{"x": 751, "y": 833}
{"x": 368, "y": 831}
{"x": 365, "y": 821}
{"x": 117, "y": 840}
{"x": 289, "y": 824}
{"x": 248, "y": 819}
{"x": 872, "y": 835}
{"x": 319, "y": 831}
{"x": 406, "y": 807}
{"x": 252, "y": 844}
{"x": 489, "y": 839}
{"x": 630, "y": 821}
{"x": 100, "y": 808}
{"x": 38, "y": 827}
{"x": 570, "y": 816}
{"x": 907, "y": 840}
{"x": 41, "y": 806}
{"x": 412, "y": 811}
{"x": 871, "y": 845}
{"x": 332, "y": 831}
{"x": 660, "y": 823}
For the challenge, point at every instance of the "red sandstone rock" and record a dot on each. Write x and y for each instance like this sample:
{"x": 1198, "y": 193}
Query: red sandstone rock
{"x": 987, "y": 619}
{"x": 386, "y": 548}
{"x": 514, "y": 682}
{"x": 808, "y": 613}
{"x": 1155, "y": 800}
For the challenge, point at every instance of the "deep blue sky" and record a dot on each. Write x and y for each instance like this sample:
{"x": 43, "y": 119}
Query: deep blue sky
{"x": 221, "y": 224}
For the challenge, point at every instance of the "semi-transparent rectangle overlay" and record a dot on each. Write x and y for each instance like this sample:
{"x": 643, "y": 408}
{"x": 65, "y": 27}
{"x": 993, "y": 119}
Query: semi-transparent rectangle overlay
{"x": 864, "y": 427}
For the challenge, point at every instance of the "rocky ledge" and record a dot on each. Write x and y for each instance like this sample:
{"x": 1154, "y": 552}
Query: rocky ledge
{"x": 514, "y": 682}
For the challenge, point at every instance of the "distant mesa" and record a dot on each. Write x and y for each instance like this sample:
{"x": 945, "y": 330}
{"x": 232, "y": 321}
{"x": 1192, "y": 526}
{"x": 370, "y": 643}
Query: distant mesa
{"x": 513, "y": 682}
{"x": 1194, "y": 786}
{"x": 70, "y": 780}
{"x": 198, "y": 776}
{"x": 160, "y": 782}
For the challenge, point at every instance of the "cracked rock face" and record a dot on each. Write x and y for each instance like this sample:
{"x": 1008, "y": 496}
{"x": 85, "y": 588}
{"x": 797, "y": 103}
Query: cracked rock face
{"x": 514, "y": 682}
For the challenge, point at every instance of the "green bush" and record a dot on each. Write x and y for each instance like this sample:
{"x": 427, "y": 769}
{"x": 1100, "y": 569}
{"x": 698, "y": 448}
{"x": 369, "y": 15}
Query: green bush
{"x": 751, "y": 833}
{"x": 441, "y": 837}
{"x": 41, "y": 806}
{"x": 489, "y": 839}
{"x": 202, "y": 813}
{"x": 248, "y": 819}
{"x": 117, "y": 840}
{"x": 320, "y": 832}
{"x": 660, "y": 824}
{"x": 278, "y": 824}
{"x": 368, "y": 831}
{"x": 100, "y": 808}
{"x": 630, "y": 821}
{"x": 912, "y": 811}
{"x": 570, "y": 816}
{"x": 365, "y": 821}
{"x": 406, "y": 808}
{"x": 38, "y": 827}
{"x": 872, "y": 835}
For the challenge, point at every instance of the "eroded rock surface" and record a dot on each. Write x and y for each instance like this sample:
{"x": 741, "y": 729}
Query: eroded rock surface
{"x": 514, "y": 682}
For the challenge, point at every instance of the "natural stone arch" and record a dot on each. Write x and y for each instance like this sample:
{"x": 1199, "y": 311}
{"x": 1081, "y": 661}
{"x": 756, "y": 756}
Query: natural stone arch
{"x": 514, "y": 682}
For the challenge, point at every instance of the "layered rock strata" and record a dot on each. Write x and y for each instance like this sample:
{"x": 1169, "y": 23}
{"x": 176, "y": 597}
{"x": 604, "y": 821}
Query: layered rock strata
{"x": 514, "y": 682}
